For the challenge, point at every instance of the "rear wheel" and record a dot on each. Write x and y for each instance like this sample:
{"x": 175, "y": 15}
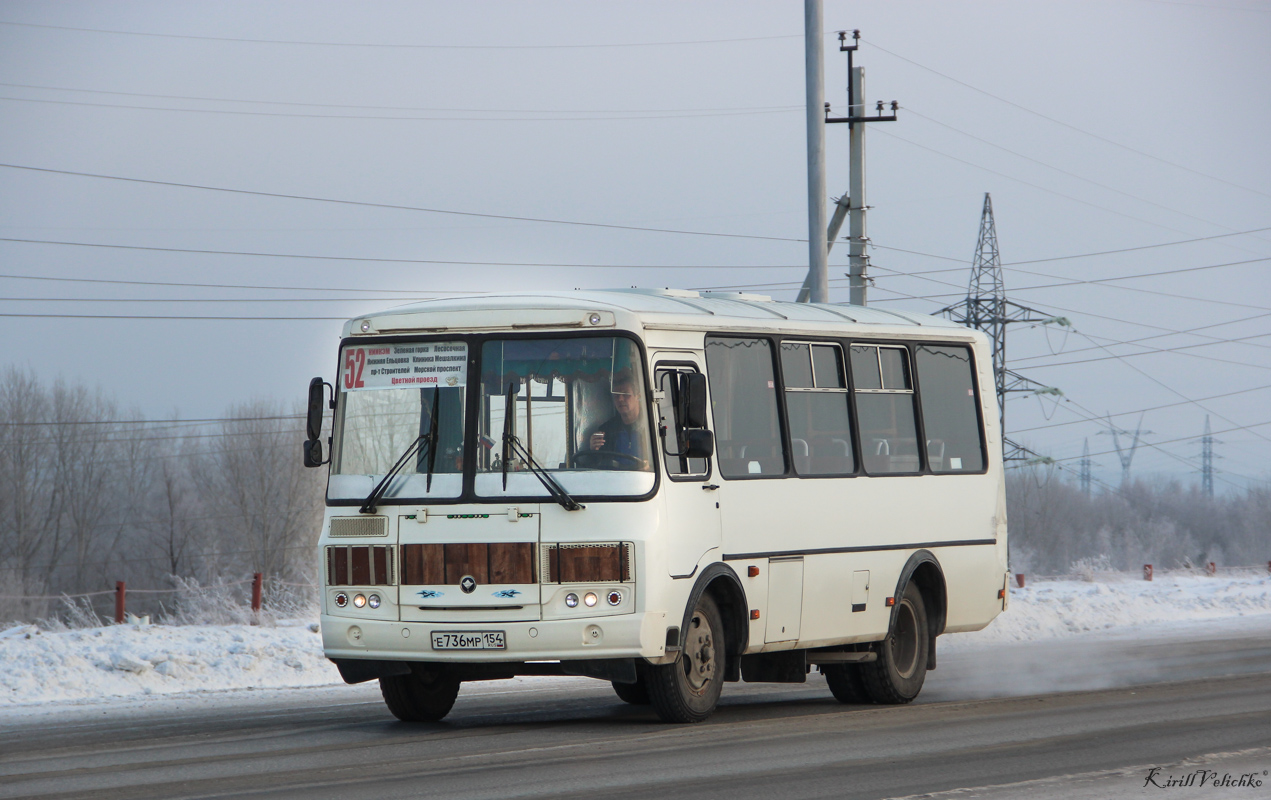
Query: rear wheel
{"x": 898, "y": 674}
{"x": 420, "y": 696}
{"x": 688, "y": 690}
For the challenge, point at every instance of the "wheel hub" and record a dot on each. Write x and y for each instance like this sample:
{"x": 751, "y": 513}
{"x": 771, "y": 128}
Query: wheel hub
{"x": 699, "y": 652}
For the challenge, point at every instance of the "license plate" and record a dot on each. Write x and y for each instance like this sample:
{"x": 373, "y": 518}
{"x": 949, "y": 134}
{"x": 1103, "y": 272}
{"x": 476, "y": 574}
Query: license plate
{"x": 468, "y": 640}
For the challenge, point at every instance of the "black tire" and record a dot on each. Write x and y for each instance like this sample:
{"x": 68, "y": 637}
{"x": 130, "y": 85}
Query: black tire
{"x": 688, "y": 690}
{"x": 846, "y": 683}
{"x": 898, "y": 674}
{"x": 419, "y": 696}
{"x": 637, "y": 694}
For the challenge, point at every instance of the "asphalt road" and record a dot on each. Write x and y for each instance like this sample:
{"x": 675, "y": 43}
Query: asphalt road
{"x": 1066, "y": 719}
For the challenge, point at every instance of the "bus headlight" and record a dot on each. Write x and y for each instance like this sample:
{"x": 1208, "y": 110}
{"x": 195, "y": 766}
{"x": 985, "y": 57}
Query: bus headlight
{"x": 590, "y": 599}
{"x": 359, "y": 600}
{"x": 373, "y": 601}
{"x": 571, "y": 600}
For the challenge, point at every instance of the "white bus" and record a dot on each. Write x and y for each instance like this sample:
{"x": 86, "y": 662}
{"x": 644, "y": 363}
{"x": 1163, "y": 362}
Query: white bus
{"x": 664, "y": 489}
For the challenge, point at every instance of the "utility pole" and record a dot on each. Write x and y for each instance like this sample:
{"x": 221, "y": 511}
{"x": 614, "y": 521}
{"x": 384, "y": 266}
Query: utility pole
{"x": 1085, "y": 467}
{"x": 818, "y": 254}
{"x": 987, "y": 309}
{"x": 852, "y": 204}
{"x": 1207, "y": 457}
{"x": 857, "y": 259}
{"x": 1125, "y": 454}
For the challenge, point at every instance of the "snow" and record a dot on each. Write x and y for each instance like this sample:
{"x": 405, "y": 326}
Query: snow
{"x": 43, "y": 670}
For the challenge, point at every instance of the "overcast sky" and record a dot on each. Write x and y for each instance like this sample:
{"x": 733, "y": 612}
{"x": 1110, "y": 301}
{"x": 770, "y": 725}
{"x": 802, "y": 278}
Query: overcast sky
{"x": 1096, "y": 125}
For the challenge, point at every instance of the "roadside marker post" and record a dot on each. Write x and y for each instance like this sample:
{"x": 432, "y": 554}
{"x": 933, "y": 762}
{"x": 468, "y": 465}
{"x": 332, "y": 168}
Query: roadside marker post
{"x": 120, "y": 590}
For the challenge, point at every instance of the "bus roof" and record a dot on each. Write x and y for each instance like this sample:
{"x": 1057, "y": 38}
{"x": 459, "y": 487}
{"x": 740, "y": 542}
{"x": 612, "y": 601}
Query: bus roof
{"x": 643, "y": 309}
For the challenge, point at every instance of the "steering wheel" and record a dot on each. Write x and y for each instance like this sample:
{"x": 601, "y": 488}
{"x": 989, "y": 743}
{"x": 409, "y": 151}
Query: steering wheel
{"x": 607, "y": 459}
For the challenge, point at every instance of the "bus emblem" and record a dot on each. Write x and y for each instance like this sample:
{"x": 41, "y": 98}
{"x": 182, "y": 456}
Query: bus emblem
{"x": 468, "y": 584}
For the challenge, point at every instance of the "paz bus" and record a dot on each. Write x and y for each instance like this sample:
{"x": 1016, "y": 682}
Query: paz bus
{"x": 667, "y": 490}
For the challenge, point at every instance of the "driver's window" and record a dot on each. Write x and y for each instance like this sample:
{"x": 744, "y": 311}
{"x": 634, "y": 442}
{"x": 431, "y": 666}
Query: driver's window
{"x": 670, "y": 432}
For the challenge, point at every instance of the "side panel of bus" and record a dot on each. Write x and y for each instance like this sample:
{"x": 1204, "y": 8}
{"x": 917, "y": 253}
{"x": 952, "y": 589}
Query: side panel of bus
{"x": 829, "y": 549}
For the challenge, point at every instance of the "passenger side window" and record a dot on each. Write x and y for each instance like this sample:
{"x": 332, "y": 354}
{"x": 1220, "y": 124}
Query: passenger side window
{"x": 670, "y": 429}
{"x": 744, "y": 405}
{"x": 949, "y": 409}
{"x": 817, "y": 408}
{"x": 885, "y": 409}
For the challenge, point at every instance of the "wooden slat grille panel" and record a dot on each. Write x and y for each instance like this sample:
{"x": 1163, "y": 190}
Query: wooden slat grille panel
{"x": 339, "y": 558}
{"x": 361, "y": 557}
{"x": 511, "y": 562}
{"x": 467, "y": 559}
{"x": 588, "y": 563}
{"x": 489, "y": 564}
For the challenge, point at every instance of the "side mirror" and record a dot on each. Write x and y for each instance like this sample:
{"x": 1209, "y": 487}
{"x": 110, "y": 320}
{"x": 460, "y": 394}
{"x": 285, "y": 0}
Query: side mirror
{"x": 692, "y": 400}
{"x": 699, "y": 443}
{"x": 317, "y": 398}
{"x": 313, "y": 453}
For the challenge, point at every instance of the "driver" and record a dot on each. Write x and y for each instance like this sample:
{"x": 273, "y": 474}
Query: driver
{"x": 622, "y": 433}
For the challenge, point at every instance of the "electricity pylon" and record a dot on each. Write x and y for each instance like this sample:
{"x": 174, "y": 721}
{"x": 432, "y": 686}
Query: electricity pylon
{"x": 1207, "y": 457}
{"x": 987, "y": 309}
{"x": 1085, "y": 463}
{"x": 1125, "y": 454}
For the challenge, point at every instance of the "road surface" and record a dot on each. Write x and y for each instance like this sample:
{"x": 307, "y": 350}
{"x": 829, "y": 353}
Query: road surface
{"x": 1074, "y": 718}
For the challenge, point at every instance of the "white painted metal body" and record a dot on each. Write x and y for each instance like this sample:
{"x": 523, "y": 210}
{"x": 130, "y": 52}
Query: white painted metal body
{"x": 821, "y": 546}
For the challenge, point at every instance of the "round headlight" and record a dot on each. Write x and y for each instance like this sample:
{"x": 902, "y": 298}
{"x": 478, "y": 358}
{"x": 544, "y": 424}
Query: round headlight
{"x": 615, "y": 597}
{"x": 359, "y": 600}
{"x": 571, "y": 600}
{"x": 341, "y": 599}
{"x": 590, "y": 599}
{"x": 373, "y": 601}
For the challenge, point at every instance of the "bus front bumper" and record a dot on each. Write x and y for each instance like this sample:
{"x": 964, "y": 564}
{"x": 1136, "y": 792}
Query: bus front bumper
{"x": 623, "y": 636}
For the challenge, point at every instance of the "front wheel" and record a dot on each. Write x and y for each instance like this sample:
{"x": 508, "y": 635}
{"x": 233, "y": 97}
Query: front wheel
{"x": 419, "y": 696}
{"x": 898, "y": 674}
{"x": 688, "y": 690}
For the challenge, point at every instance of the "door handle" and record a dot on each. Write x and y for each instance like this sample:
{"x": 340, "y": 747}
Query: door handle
{"x": 709, "y": 487}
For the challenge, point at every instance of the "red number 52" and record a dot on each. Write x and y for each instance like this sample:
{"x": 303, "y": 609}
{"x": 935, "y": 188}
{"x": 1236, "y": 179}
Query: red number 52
{"x": 354, "y": 362}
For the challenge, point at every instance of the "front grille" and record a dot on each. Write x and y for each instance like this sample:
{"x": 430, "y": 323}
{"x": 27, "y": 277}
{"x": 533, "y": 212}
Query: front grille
{"x": 359, "y": 526}
{"x": 360, "y": 565}
{"x": 493, "y": 563}
{"x": 587, "y": 563}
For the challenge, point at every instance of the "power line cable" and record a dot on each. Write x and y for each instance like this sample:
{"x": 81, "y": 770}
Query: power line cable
{"x": 400, "y": 108}
{"x": 380, "y": 260}
{"x": 1028, "y": 183}
{"x": 1142, "y": 410}
{"x": 241, "y": 40}
{"x": 395, "y": 206}
{"x": 1067, "y": 125}
{"x": 1064, "y": 171}
{"x": 242, "y": 113}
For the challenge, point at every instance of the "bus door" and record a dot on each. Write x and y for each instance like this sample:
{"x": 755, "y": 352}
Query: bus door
{"x": 692, "y": 507}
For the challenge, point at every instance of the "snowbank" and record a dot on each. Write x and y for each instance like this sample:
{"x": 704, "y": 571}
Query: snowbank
{"x": 126, "y": 660}
{"x": 132, "y": 661}
{"x": 1118, "y": 603}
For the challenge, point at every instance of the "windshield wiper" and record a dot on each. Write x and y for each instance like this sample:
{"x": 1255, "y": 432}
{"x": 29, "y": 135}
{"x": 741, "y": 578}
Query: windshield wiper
{"x": 554, "y": 489}
{"x": 512, "y": 446}
{"x": 429, "y": 439}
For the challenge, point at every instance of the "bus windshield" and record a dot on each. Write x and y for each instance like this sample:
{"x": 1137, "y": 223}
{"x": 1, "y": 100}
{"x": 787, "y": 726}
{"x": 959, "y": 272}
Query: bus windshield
{"x": 390, "y": 395}
{"x": 578, "y": 410}
{"x": 578, "y": 413}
